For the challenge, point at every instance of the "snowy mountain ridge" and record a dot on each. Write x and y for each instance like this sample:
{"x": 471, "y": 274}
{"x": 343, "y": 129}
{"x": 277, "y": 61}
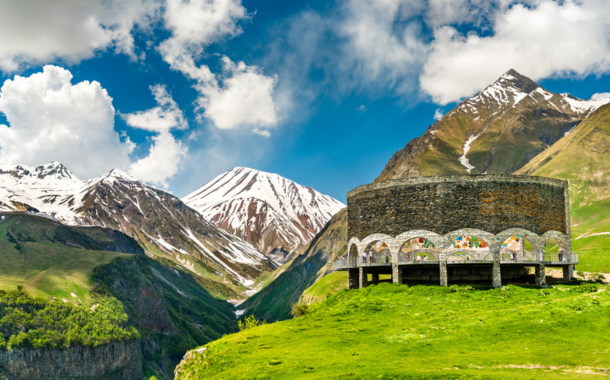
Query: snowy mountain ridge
{"x": 159, "y": 221}
{"x": 271, "y": 212}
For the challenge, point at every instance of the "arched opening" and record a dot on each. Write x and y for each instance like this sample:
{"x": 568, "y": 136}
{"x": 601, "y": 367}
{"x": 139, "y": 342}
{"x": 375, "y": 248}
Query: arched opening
{"x": 376, "y": 253}
{"x": 419, "y": 249}
{"x": 554, "y": 251}
{"x": 517, "y": 248}
{"x": 469, "y": 248}
{"x": 352, "y": 256}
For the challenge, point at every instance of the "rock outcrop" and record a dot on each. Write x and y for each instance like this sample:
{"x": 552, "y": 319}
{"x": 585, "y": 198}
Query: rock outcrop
{"x": 113, "y": 361}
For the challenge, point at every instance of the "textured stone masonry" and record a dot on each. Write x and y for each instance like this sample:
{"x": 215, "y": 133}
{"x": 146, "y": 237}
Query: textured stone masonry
{"x": 443, "y": 208}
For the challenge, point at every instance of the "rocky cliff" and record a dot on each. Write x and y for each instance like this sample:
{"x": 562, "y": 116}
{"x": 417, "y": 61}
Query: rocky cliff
{"x": 113, "y": 361}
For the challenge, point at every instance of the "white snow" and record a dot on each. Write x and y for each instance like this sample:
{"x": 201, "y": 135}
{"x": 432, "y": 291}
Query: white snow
{"x": 463, "y": 160}
{"x": 243, "y": 200}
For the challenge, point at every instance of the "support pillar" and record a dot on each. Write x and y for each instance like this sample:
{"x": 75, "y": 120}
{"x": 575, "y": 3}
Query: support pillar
{"x": 541, "y": 274}
{"x": 396, "y": 273}
{"x": 496, "y": 273}
{"x": 352, "y": 278}
{"x": 375, "y": 278}
{"x": 568, "y": 273}
{"x": 363, "y": 278}
{"x": 442, "y": 268}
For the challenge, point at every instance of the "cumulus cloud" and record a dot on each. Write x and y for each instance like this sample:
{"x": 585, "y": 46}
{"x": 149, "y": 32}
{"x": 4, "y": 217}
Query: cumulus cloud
{"x": 600, "y": 96}
{"x": 165, "y": 152}
{"x": 541, "y": 40}
{"x": 37, "y": 32}
{"x": 241, "y": 95}
{"x": 51, "y": 119}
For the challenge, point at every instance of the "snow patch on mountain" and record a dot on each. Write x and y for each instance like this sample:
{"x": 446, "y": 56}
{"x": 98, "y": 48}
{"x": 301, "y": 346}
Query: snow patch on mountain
{"x": 264, "y": 209}
{"x": 463, "y": 160}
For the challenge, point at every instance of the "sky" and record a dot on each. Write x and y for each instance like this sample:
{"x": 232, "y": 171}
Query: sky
{"x": 175, "y": 92}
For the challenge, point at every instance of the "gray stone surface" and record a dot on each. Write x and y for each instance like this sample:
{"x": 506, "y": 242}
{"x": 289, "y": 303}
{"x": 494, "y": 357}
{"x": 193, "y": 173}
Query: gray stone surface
{"x": 443, "y": 204}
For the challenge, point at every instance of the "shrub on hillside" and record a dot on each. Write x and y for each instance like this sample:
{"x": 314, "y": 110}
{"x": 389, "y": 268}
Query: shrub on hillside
{"x": 299, "y": 309}
{"x": 38, "y": 323}
{"x": 250, "y": 322}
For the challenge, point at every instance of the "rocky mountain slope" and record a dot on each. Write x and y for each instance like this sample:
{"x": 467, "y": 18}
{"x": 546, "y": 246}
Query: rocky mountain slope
{"x": 498, "y": 130}
{"x": 274, "y": 302}
{"x": 582, "y": 158}
{"x": 275, "y": 214}
{"x": 160, "y": 222}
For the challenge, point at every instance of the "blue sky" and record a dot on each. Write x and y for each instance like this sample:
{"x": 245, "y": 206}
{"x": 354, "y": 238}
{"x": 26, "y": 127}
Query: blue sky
{"x": 323, "y": 93}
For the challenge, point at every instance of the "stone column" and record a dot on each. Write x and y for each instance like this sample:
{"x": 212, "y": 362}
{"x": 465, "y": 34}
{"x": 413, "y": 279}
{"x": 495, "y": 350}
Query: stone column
{"x": 352, "y": 278}
{"x": 568, "y": 273}
{"x": 541, "y": 274}
{"x": 496, "y": 272}
{"x": 363, "y": 278}
{"x": 375, "y": 278}
{"x": 442, "y": 268}
{"x": 396, "y": 273}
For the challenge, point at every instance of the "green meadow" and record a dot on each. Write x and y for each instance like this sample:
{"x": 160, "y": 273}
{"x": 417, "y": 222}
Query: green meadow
{"x": 392, "y": 331}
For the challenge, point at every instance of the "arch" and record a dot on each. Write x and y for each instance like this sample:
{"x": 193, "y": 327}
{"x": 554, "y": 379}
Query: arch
{"x": 353, "y": 246}
{"x": 435, "y": 238}
{"x": 469, "y": 246}
{"x": 559, "y": 252}
{"x": 519, "y": 244}
{"x": 375, "y": 237}
{"x": 488, "y": 237}
{"x": 564, "y": 241}
{"x": 418, "y": 249}
{"x": 378, "y": 252}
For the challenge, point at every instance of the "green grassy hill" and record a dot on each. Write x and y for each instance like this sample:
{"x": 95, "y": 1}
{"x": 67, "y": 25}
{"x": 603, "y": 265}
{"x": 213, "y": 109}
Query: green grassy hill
{"x": 52, "y": 260}
{"x": 397, "y": 332}
{"x": 582, "y": 158}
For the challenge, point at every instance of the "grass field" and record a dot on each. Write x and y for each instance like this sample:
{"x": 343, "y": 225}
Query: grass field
{"x": 424, "y": 332}
{"x": 44, "y": 268}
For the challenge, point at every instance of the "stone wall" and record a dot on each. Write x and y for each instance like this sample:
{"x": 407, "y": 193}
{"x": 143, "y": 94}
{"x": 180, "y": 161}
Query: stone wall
{"x": 442, "y": 204}
{"x": 113, "y": 361}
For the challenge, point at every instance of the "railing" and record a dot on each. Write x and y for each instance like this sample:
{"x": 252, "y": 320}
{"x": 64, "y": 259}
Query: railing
{"x": 508, "y": 256}
{"x": 468, "y": 255}
{"x": 344, "y": 263}
{"x": 556, "y": 257}
{"x": 376, "y": 259}
{"x": 416, "y": 257}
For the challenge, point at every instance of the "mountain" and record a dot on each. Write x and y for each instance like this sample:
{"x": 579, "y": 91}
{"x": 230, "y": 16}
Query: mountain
{"x": 582, "y": 158}
{"x": 275, "y": 214}
{"x": 168, "y": 229}
{"x": 497, "y": 131}
{"x": 274, "y": 302}
{"x": 84, "y": 273}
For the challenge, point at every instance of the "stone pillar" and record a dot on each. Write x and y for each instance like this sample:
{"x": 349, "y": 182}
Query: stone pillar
{"x": 375, "y": 278}
{"x": 396, "y": 273}
{"x": 541, "y": 274}
{"x": 568, "y": 273}
{"x": 352, "y": 278}
{"x": 442, "y": 268}
{"x": 363, "y": 278}
{"x": 496, "y": 272}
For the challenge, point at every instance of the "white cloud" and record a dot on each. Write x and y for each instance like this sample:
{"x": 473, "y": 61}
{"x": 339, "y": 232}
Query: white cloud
{"x": 242, "y": 95}
{"x": 37, "y": 32}
{"x": 245, "y": 98}
{"x": 165, "y": 152}
{"x": 438, "y": 114}
{"x": 539, "y": 41}
{"x": 52, "y": 119}
{"x": 600, "y": 96}
{"x": 385, "y": 47}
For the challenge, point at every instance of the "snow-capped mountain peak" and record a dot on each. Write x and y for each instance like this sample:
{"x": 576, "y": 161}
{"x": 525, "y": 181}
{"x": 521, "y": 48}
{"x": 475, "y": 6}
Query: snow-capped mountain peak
{"x": 268, "y": 210}
{"x": 51, "y": 171}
